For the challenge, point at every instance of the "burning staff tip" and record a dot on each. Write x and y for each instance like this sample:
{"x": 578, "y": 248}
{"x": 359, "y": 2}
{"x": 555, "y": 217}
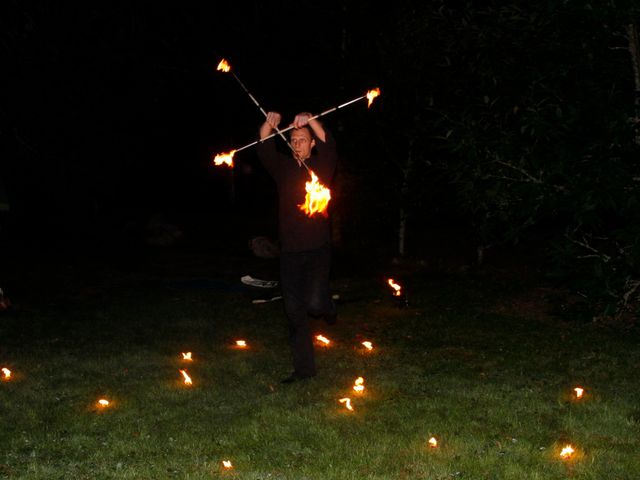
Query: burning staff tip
{"x": 223, "y": 66}
{"x": 371, "y": 96}
{"x": 224, "y": 158}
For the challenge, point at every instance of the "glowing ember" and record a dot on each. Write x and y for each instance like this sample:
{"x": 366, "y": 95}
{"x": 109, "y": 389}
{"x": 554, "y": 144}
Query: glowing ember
{"x": 187, "y": 378}
{"x": 187, "y": 356}
{"x": 241, "y": 343}
{"x": 6, "y": 373}
{"x": 359, "y": 385}
{"x": 226, "y": 158}
{"x": 368, "y": 345}
{"x": 397, "y": 288}
{"x": 579, "y": 392}
{"x": 227, "y": 464}
{"x": 103, "y": 402}
{"x": 371, "y": 95}
{"x": 567, "y": 452}
{"x": 322, "y": 339}
{"x": 347, "y": 403}
{"x": 317, "y": 198}
{"x": 433, "y": 443}
{"x": 223, "y": 66}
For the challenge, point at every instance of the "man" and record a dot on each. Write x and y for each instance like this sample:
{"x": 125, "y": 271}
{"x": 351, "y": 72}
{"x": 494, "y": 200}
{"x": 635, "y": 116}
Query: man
{"x": 305, "y": 242}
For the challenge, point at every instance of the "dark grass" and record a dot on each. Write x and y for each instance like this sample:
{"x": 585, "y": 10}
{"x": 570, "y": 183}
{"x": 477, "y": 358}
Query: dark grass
{"x": 476, "y": 360}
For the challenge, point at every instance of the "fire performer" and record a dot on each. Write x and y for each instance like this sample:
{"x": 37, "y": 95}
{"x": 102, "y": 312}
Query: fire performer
{"x": 305, "y": 257}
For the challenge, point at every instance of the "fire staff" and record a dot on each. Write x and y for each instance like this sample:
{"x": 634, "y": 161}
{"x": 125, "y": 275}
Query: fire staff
{"x": 305, "y": 259}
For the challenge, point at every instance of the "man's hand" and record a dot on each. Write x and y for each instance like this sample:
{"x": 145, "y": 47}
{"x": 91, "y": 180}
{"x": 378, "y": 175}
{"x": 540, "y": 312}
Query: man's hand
{"x": 270, "y": 124}
{"x": 301, "y": 120}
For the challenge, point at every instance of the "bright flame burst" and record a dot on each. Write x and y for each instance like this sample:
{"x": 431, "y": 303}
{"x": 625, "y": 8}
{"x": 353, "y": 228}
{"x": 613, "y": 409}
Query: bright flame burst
{"x": 103, "y": 402}
{"x": 322, "y": 339}
{"x": 347, "y": 403}
{"x": 224, "y": 66}
{"x": 567, "y": 452}
{"x": 241, "y": 343}
{"x": 7, "y": 373}
{"x": 187, "y": 378}
{"x": 359, "y": 385}
{"x": 397, "y": 288}
{"x": 579, "y": 392}
{"x": 371, "y": 95}
{"x": 433, "y": 443}
{"x": 187, "y": 356}
{"x": 226, "y": 158}
{"x": 317, "y": 198}
{"x": 368, "y": 345}
{"x": 227, "y": 464}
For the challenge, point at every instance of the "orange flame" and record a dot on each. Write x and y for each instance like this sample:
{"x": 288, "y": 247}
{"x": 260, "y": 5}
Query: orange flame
{"x": 227, "y": 464}
{"x": 567, "y": 452}
{"x": 396, "y": 287}
{"x": 187, "y": 378}
{"x": 103, "y": 402}
{"x": 7, "y": 373}
{"x": 187, "y": 356}
{"x": 241, "y": 343}
{"x": 322, "y": 339}
{"x": 317, "y": 197}
{"x": 368, "y": 345}
{"x": 226, "y": 158}
{"x": 433, "y": 443}
{"x": 359, "y": 385}
{"x": 347, "y": 403}
{"x": 224, "y": 66}
{"x": 371, "y": 95}
{"x": 579, "y": 392}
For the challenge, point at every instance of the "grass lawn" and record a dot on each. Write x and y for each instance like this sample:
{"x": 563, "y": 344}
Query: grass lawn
{"x": 471, "y": 362}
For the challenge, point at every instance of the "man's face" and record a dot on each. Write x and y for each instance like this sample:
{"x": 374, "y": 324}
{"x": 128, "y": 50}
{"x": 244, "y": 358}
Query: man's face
{"x": 302, "y": 143}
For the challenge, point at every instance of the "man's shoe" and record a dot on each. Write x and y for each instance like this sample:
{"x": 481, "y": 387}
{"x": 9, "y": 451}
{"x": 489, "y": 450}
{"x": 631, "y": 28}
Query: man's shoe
{"x": 296, "y": 377}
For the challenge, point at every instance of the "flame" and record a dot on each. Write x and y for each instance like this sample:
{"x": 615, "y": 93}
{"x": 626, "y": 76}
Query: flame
{"x": 433, "y": 443}
{"x": 187, "y": 356}
{"x": 396, "y": 287}
{"x": 7, "y": 373}
{"x": 567, "y": 452}
{"x": 187, "y": 378}
{"x": 226, "y": 158}
{"x": 317, "y": 197}
{"x": 371, "y": 95}
{"x": 368, "y": 345}
{"x": 323, "y": 339}
{"x": 224, "y": 66}
{"x": 579, "y": 392}
{"x": 241, "y": 343}
{"x": 347, "y": 403}
{"x": 103, "y": 402}
{"x": 359, "y": 385}
{"x": 227, "y": 464}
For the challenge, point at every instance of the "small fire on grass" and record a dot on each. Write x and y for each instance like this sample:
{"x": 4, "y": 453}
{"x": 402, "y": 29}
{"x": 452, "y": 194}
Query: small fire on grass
{"x": 579, "y": 392}
{"x": 187, "y": 356}
{"x": 227, "y": 464}
{"x": 241, "y": 343}
{"x": 368, "y": 345}
{"x": 397, "y": 289}
{"x": 103, "y": 403}
{"x": 187, "y": 378}
{"x": 323, "y": 340}
{"x": 433, "y": 442}
{"x": 359, "y": 385}
{"x": 6, "y": 373}
{"x": 567, "y": 452}
{"x": 347, "y": 403}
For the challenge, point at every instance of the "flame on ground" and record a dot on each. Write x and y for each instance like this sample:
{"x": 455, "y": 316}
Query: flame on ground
{"x": 103, "y": 402}
{"x": 397, "y": 288}
{"x": 371, "y": 95}
{"x": 227, "y": 464}
{"x": 368, "y": 345}
{"x": 317, "y": 198}
{"x": 322, "y": 339}
{"x": 433, "y": 443}
{"x": 187, "y": 378}
{"x": 347, "y": 403}
{"x": 224, "y": 66}
{"x": 187, "y": 356}
{"x": 567, "y": 452}
{"x": 579, "y": 392}
{"x": 6, "y": 373}
{"x": 359, "y": 385}
{"x": 241, "y": 343}
{"x": 224, "y": 158}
